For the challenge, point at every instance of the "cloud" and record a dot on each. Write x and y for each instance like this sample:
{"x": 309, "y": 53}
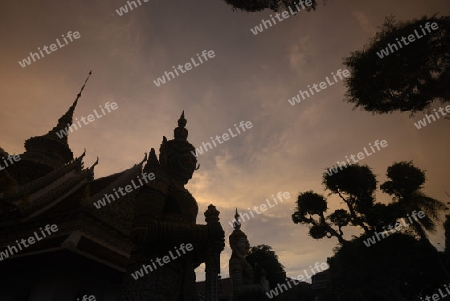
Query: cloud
{"x": 363, "y": 21}
{"x": 300, "y": 54}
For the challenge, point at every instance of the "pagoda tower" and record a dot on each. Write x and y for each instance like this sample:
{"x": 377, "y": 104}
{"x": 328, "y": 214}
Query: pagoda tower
{"x": 50, "y": 186}
{"x": 46, "y": 153}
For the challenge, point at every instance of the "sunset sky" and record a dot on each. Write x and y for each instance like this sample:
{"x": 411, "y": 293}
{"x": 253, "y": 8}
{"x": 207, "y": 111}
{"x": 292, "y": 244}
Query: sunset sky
{"x": 250, "y": 78}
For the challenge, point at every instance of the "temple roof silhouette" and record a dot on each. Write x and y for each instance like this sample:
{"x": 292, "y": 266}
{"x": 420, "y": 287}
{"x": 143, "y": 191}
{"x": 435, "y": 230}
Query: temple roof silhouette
{"x": 51, "y": 186}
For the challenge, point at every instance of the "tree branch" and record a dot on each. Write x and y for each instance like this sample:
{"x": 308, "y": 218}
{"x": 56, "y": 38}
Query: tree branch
{"x": 355, "y": 219}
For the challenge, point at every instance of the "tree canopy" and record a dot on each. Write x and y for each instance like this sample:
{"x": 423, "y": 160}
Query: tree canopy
{"x": 263, "y": 257}
{"x": 391, "y": 74}
{"x": 356, "y": 186}
{"x": 377, "y": 264}
{"x": 398, "y": 268}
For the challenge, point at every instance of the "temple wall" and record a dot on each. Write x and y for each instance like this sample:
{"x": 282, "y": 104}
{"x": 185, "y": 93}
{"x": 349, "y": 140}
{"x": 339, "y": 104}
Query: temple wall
{"x": 58, "y": 276}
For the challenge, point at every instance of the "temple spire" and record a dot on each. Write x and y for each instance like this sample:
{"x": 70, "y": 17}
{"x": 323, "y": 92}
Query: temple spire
{"x": 52, "y": 149}
{"x": 237, "y": 223}
{"x": 181, "y": 133}
{"x": 152, "y": 162}
{"x": 66, "y": 119}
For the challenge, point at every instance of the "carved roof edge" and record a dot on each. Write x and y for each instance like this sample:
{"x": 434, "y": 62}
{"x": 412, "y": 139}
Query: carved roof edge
{"x": 47, "y": 179}
{"x": 55, "y": 196}
{"x": 124, "y": 177}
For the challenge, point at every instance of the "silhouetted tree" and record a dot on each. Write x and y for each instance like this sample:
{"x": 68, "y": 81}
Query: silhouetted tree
{"x": 355, "y": 185}
{"x": 263, "y": 257}
{"x": 401, "y": 266}
{"x": 447, "y": 234}
{"x": 397, "y": 268}
{"x": 299, "y": 292}
{"x": 403, "y": 77}
{"x": 404, "y": 184}
{"x": 275, "y": 5}
{"x": 446, "y": 255}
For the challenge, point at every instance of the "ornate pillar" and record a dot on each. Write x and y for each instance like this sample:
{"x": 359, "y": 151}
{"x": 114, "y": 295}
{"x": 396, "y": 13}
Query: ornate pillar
{"x": 212, "y": 263}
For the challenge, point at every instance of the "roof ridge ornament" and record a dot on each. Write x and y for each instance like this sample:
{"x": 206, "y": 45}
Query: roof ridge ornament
{"x": 93, "y": 165}
{"x": 143, "y": 160}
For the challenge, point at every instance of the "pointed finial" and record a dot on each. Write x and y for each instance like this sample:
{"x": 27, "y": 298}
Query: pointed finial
{"x": 82, "y": 88}
{"x": 152, "y": 162}
{"x": 152, "y": 159}
{"x": 93, "y": 165}
{"x": 181, "y": 133}
{"x": 145, "y": 158}
{"x": 237, "y": 223}
{"x": 182, "y": 121}
{"x": 80, "y": 158}
{"x": 67, "y": 118}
